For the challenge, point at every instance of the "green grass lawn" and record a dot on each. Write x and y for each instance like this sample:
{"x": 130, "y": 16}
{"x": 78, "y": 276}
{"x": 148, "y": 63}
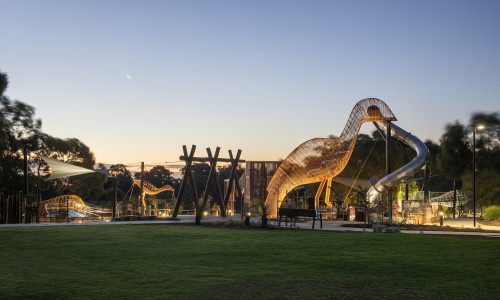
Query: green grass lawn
{"x": 181, "y": 261}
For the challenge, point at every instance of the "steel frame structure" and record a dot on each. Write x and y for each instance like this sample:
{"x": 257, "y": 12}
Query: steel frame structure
{"x": 320, "y": 159}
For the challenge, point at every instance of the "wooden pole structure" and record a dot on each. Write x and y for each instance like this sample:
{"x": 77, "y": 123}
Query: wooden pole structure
{"x": 233, "y": 177}
{"x": 115, "y": 198}
{"x": 141, "y": 200}
{"x": 212, "y": 180}
{"x": 25, "y": 153}
{"x": 388, "y": 167}
{"x": 188, "y": 176}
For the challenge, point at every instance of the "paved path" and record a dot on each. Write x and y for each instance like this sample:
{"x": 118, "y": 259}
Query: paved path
{"x": 327, "y": 225}
{"x": 457, "y": 223}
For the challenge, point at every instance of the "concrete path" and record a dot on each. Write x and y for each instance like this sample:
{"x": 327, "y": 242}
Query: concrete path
{"x": 456, "y": 223}
{"x": 327, "y": 225}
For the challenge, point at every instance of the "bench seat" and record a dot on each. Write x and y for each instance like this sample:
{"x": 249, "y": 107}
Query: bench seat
{"x": 295, "y": 213}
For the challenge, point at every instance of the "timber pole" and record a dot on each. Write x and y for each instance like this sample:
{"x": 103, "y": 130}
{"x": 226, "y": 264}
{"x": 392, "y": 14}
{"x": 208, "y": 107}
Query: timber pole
{"x": 388, "y": 167}
{"x": 115, "y": 198}
{"x": 142, "y": 191}
{"x": 25, "y": 186}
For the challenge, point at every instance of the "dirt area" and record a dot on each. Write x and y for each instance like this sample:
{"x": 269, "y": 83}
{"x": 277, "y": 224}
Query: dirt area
{"x": 490, "y": 223}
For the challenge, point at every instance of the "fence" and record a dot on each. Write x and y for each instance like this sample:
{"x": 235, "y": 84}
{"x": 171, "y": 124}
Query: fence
{"x": 17, "y": 208}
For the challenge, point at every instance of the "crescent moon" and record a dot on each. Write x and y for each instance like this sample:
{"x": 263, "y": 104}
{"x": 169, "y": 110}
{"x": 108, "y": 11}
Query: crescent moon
{"x": 129, "y": 76}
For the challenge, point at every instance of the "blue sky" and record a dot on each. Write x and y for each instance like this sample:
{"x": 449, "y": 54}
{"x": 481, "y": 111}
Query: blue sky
{"x": 261, "y": 76}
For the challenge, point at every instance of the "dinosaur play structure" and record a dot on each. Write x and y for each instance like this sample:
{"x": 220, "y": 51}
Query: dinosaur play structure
{"x": 149, "y": 189}
{"x": 71, "y": 205}
{"x": 321, "y": 159}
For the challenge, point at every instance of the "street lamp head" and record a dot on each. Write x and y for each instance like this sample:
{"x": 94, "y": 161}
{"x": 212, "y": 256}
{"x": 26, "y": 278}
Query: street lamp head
{"x": 480, "y": 127}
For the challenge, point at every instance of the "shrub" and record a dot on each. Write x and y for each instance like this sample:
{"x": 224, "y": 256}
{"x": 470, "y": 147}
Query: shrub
{"x": 492, "y": 213}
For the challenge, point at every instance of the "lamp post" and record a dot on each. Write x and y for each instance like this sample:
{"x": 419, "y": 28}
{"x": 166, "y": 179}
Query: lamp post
{"x": 480, "y": 127}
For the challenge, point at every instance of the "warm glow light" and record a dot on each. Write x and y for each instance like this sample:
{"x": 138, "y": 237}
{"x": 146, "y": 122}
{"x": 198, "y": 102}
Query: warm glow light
{"x": 205, "y": 213}
{"x": 248, "y": 214}
{"x": 319, "y": 159}
{"x": 480, "y": 127}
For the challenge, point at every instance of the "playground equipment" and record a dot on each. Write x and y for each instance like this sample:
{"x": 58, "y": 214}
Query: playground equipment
{"x": 72, "y": 205}
{"x": 320, "y": 159}
{"x": 211, "y": 184}
{"x": 447, "y": 198}
{"x": 149, "y": 189}
{"x": 407, "y": 170}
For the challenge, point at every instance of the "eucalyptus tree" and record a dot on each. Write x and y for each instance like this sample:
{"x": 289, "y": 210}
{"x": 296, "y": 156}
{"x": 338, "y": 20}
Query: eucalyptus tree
{"x": 4, "y": 82}
{"x": 19, "y": 130}
{"x": 487, "y": 159}
{"x": 454, "y": 155}
{"x": 487, "y": 140}
{"x": 487, "y": 187}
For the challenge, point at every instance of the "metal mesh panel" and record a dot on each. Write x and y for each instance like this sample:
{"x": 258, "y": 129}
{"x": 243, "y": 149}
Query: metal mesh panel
{"x": 322, "y": 158}
{"x": 63, "y": 202}
{"x": 150, "y": 189}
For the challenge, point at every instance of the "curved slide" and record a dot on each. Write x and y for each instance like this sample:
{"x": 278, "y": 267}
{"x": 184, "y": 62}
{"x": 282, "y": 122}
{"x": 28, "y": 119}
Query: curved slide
{"x": 407, "y": 170}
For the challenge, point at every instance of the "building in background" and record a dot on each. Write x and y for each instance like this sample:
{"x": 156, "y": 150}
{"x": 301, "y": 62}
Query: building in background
{"x": 255, "y": 180}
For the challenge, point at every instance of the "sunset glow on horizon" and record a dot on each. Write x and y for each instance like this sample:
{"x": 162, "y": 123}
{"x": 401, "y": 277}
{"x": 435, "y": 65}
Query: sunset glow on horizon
{"x": 135, "y": 80}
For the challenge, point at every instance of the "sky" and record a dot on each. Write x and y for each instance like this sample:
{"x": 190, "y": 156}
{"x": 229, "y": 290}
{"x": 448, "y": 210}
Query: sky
{"x": 136, "y": 80}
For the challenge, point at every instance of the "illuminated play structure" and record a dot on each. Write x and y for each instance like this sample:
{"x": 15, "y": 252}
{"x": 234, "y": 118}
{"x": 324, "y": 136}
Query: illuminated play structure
{"x": 71, "y": 205}
{"x": 321, "y": 159}
{"x": 149, "y": 189}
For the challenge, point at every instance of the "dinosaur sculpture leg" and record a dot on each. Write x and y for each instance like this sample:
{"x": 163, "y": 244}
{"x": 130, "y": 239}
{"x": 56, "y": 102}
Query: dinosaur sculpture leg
{"x": 318, "y": 193}
{"x": 328, "y": 192}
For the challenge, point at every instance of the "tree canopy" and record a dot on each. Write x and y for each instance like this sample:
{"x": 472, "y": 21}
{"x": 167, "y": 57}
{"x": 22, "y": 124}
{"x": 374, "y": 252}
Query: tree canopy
{"x": 21, "y": 129}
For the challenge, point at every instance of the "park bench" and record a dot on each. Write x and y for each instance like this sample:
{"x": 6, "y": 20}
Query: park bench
{"x": 297, "y": 213}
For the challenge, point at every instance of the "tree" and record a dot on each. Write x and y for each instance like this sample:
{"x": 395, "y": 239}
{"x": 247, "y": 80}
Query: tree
{"x": 454, "y": 155}
{"x": 159, "y": 176}
{"x": 487, "y": 140}
{"x": 73, "y": 151}
{"x": 122, "y": 174}
{"x": 4, "y": 82}
{"x": 19, "y": 129}
{"x": 124, "y": 179}
{"x": 487, "y": 187}
{"x": 487, "y": 159}
{"x": 401, "y": 190}
{"x": 440, "y": 183}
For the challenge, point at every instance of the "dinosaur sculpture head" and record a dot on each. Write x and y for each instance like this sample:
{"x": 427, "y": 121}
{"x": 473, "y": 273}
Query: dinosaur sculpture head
{"x": 366, "y": 110}
{"x": 373, "y": 110}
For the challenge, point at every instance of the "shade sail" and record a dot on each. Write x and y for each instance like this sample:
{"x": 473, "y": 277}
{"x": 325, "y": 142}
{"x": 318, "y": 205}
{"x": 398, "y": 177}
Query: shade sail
{"x": 356, "y": 184}
{"x": 61, "y": 169}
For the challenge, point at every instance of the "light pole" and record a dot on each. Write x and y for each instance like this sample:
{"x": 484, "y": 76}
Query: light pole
{"x": 480, "y": 127}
